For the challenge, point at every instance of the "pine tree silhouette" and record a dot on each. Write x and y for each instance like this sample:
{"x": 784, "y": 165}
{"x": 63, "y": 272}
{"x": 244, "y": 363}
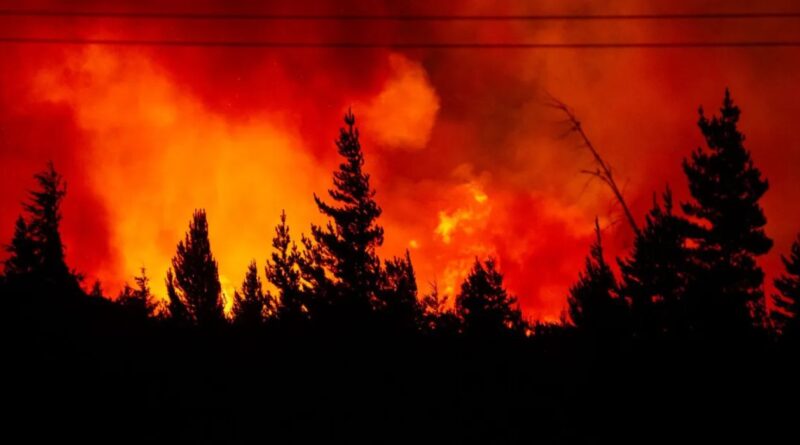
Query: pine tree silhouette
{"x": 397, "y": 301}
{"x": 484, "y": 306}
{"x": 788, "y": 302}
{"x": 726, "y": 288}
{"x": 654, "y": 277}
{"x": 436, "y": 317}
{"x": 177, "y": 310}
{"x": 348, "y": 242}
{"x": 23, "y": 260}
{"x": 196, "y": 275}
{"x": 36, "y": 251}
{"x": 283, "y": 271}
{"x": 251, "y": 306}
{"x": 594, "y": 305}
{"x": 139, "y": 300}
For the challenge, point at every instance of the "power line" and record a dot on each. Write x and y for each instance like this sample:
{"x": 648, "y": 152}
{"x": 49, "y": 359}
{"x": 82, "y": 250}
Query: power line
{"x": 391, "y": 17}
{"x": 399, "y": 45}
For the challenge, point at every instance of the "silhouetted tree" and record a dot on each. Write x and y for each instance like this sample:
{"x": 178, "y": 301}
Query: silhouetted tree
{"x": 397, "y": 301}
{"x": 22, "y": 261}
{"x": 484, "y": 306}
{"x": 196, "y": 274}
{"x": 788, "y": 302}
{"x": 594, "y": 305}
{"x": 726, "y": 289}
{"x": 436, "y": 317}
{"x": 348, "y": 243}
{"x": 139, "y": 300}
{"x": 177, "y": 310}
{"x": 283, "y": 271}
{"x": 36, "y": 253}
{"x": 97, "y": 290}
{"x": 654, "y": 277}
{"x": 251, "y": 306}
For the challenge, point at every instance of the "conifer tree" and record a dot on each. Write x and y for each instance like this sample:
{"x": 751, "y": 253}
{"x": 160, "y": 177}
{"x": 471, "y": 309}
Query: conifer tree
{"x": 727, "y": 285}
{"x": 594, "y": 305}
{"x": 177, "y": 310}
{"x": 36, "y": 250}
{"x": 436, "y": 317}
{"x": 251, "y": 306}
{"x": 654, "y": 277}
{"x": 484, "y": 306}
{"x": 349, "y": 241}
{"x": 196, "y": 274}
{"x": 284, "y": 272}
{"x": 397, "y": 300}
{"x": 788, "y": 302}
{"x": 139, "y": 300}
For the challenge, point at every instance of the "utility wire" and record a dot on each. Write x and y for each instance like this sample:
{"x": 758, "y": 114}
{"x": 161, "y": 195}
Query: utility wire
{"x": 391, "y": 17}
{"x": 399, "y": 45}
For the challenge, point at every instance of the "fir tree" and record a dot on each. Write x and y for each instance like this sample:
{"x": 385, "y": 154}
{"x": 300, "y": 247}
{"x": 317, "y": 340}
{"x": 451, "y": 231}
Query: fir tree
{"x": 787, "y": 303}
{"x": 654, "y": 277}
{"x": 349, "y": 241}
{"x": 251, "y": 306}
{"x": 36, "y": 251}
{"x": 594, "y": 305}
{"x": 196, "y": 274}
{"x": 283, "y": 271}
{"x": 726, "y": 288}
{"x": 484, "y": 306}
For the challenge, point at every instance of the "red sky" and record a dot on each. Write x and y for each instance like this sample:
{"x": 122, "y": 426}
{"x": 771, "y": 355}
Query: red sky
{"x": 466, "y": 157}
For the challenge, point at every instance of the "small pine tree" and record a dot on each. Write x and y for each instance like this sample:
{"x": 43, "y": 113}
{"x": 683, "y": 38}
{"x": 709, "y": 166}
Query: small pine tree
{"x": 727, "y": 287}
{"x": 397, "y": 300}
{"x": 787, "y": 303}
{"x": 284, "y": 272}
{"x": 484, "y": 306}
{"x": 349, "y": 241}
{"x": 139, "y": 300}
{"x": 197, "y": 276}
{"x": 435, "y": 317}
{"x": 654, "y": 277}
{"x": 251, "y": 306}
{"x": 594, "y": 306}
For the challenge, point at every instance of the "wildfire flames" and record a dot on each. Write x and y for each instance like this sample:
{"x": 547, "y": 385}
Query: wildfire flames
{"x": 466, "y": 158}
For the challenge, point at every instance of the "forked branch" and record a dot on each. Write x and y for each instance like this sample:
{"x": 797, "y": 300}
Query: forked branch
{"x": 603, "y": 170}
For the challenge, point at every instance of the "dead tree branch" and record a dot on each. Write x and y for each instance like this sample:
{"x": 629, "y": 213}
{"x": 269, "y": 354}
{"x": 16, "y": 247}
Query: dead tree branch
{"x": 603, "y": 170}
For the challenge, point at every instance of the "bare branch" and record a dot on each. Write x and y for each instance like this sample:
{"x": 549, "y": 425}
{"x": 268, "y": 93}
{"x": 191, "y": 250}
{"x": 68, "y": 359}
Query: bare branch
{"x": 604, "y": 170}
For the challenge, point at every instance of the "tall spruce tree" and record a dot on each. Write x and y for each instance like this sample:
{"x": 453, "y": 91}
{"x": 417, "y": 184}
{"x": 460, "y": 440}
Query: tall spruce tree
{"x": 196, "y": 277}
{"x": 654, "y": 277}
{"x": 727, "y": 286}
{"x": 36, "y": 253}
{"x": 594, "y": 304}
{"x": 484, "y": 306}
{"x": 251, "y": 306}
{"x": 787, "y": 303}
{"x": 349, "y": 241}
{"x": 284, "y": 272}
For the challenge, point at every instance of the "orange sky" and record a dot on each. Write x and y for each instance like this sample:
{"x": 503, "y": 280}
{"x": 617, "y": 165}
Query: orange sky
{"x": 466, "y": 158}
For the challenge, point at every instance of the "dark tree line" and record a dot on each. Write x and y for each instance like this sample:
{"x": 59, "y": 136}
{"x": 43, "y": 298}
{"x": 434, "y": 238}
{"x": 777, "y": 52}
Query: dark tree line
{"x": 690, "y": 274}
